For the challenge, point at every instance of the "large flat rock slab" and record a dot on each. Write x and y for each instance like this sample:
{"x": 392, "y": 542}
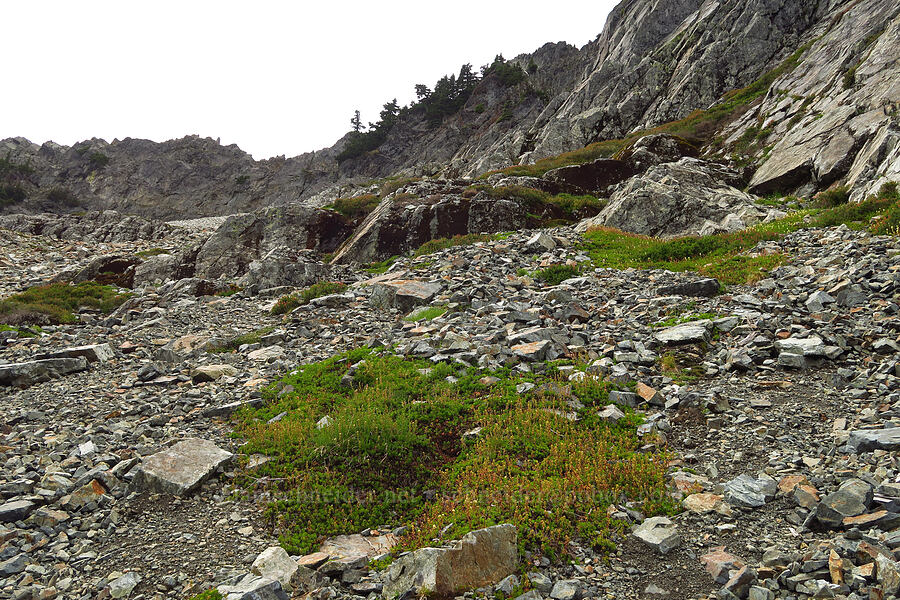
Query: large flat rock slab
{"x": 403, "y": 294}
{"x": 38, "y": 371}
{"x": 93, "y": 353}
{"x": 182, "y": 468}
{"x": 349, "y": 547}
{"x": 866, "y": 440}
{"x": 686, "y": 333}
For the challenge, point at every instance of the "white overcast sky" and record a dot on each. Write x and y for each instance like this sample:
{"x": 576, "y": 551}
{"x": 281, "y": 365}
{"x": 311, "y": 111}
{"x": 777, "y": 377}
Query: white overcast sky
{"x": 274, "y": 77}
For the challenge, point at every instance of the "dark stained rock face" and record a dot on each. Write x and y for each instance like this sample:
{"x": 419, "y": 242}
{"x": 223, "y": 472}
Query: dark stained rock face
{"x": 425, "y": 211}
{"x": 597, "y": 176}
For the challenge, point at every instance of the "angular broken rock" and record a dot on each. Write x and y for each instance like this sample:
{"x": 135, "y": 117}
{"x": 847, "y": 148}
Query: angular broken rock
{"x": 531, "y": 351}
{"x": 811, "y": 346}
{"x": 540, "y": 242}
{"x": 121, "y": 587}
{"x": 15, "y": 510}
{"x": 686, "y": 333}
{"x": 659, "y": 533}
{"x": 350, "y": 547}
{"x": 403, "y": 294}
{"x": 480, "y": 558}
{"x": 749, "y": 492}
{"x": 866, "y": 440}
{"x": 851, "y": 499}
{"x": 703, "y": 503}
{"x": 611, "y": 414}
{"x": 180, "y": 469}
{"x": 37, "y": 371}
{"x": 253, "y": 587}
{"x": 701, "y": 287}
{"x": 720, "y": 563}
{"x": 275, "y": 563}
{"x": 93, "y": 353}
{"x": 212, "y": 373}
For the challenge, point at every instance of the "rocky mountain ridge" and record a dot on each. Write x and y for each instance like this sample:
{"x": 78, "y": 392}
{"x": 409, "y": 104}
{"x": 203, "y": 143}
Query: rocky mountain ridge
{"x": 824, "y": 112}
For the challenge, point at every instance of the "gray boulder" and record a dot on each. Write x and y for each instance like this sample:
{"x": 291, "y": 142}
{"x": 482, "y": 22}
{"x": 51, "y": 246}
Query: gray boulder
{"x": 37, "y": 371}
{"x": 686, "y": 333}
{"x": 659, "y": 533}
{"x": 253, "y": 587}
{"x": 866, "y": 440}
{"x": 482, "y": 557}
{"x": 93, "y": 353}
{"x": 403, "y": 294}
{"x": 687, "y": 197}
{"x": 243, "y": 238}
{"x": 181, "y": 469}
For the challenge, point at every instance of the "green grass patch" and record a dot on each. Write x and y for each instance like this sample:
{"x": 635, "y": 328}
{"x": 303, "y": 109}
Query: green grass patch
{"x": 378, "y": 268}
{"x": 396, "y": 433}
{"x": 556, "y": 274}
{"x": 29, "y": 332}
{"x": 211, "y": 594}
{"x": 857, "y": 215}
{"x": 833, "y": 197}
{"x": 679, "y": 319}
{"x": 722, "y": 255}
{"x": 232, "y": 344}
{"x": 287, "y": 303}
{"x": 57, "y": 303}
{"x": 426, "y": 313}
{"x": 356, "y": 208}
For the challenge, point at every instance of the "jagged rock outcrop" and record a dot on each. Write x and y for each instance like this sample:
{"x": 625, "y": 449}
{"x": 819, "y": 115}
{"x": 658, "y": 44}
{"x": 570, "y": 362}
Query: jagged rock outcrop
{"x": 425, "y": 211}
{"x": 836, "y": 115}
{"x": 687, "y": 197}
{"x": 107, "y": 226}
{"x": 242, "y": 238}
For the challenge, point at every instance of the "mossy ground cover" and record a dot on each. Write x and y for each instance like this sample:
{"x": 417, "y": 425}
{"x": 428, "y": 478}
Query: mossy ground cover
{"x": 58, "y": 302}
{"x": 724, "y": 256}
{"x": 393, "y": 454}
{"x": 287, "y": 303}
{"x": 357, "y": 207}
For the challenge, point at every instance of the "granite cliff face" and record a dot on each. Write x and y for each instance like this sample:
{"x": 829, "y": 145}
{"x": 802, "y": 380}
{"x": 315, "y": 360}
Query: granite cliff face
{"x": 823, "y": 110}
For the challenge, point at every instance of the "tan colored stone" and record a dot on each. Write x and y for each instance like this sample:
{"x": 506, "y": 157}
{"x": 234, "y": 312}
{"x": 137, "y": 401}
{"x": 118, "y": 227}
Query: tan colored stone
{"x": 836, "y": 567}
{"x": 705, "y": 503}
{"x": 356, "y": 545}
{"x": 719, "y": 563}
{"x": 789, "y": 482}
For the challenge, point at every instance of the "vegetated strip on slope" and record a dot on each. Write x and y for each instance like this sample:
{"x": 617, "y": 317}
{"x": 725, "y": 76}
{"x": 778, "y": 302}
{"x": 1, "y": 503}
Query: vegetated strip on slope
{"x": 57, "y": 302}
{"x": 346, "y": 456}
{"x": 699, "y": 127}
{"x": 723, "y": 256}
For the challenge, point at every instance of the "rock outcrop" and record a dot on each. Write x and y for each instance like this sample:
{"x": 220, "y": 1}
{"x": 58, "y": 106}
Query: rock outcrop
{"x": 107, "y": 226}
{"x": 687, "y": 197}
{"x": 411, "y": 216}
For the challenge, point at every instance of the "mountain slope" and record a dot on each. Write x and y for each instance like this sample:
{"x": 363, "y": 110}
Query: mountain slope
{"x": 831, "y": 115}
